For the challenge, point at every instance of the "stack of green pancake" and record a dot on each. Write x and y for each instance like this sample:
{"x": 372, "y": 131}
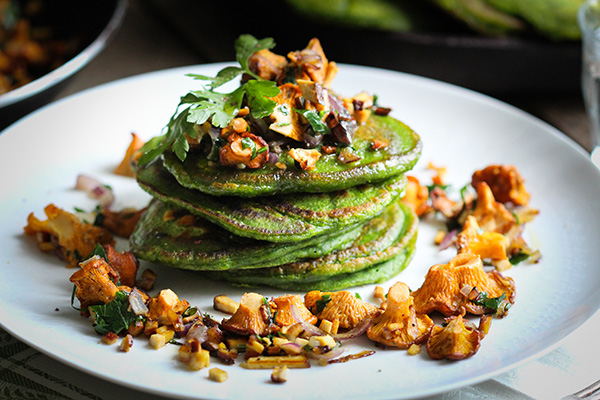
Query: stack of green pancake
{"x": 336, "y": 226}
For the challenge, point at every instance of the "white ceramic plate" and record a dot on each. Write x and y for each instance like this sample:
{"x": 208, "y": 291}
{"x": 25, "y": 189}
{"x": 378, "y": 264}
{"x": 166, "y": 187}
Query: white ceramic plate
{"x": 41, "y": 156}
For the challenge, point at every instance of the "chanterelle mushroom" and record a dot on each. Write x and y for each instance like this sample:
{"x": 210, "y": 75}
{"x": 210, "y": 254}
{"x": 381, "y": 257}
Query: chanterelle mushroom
{"x": 399, "y": 325}
{"x": 95, "y": 282}
{"x": 492, "y": 216}
{"x": 66, "y": 235}
{"x": 249, "y": 317}
{"x": 342, "y": 306}
{"x": 244, "y": 149}
{"x": 455, "y": 341}
{"x": 487, "y": 245}
{"x": 282, "y": 306}
{"x": 444, "y": 287}
{"x": 506, "y": 183}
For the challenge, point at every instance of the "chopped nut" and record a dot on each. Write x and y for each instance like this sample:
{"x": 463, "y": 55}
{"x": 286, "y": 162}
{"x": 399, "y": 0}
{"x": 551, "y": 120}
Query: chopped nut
{"x": 326, "y": 326}
{"x": 322, "y": 341}
{"x": 147, "y": 280}
{"x": 217, "y": 375}
{"x": 109, "y": 338}
{"x": 225, "y": 304}
{"x": 414, "y": 349}
{"x": 126, "y": 343}
{"x": 157, "y": 341}
{"x": 198, "y": 360}
{"x": 279, "y": 374}
{"x": 378, "y": 144}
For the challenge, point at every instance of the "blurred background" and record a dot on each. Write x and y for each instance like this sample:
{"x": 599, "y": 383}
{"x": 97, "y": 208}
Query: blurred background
{"x": 524, "y": 52}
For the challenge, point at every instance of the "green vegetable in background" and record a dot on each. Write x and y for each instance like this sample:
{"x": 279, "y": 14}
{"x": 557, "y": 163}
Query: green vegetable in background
{"x": 556, "y": 19}
{"x": 553, "y": 19}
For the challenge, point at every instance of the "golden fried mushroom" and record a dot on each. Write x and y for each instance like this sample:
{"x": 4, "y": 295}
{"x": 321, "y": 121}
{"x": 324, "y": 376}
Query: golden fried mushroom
{"x": 491, "y": 215}
{"x": 166, "y": 303}
{"x": 487, "y": 245}
{"x": 455, "y": 341}
{"x": 416, "y": 196}
{"x": 250, "y": 317}
{"x": 95, "y": 282}
{"x": 66, "y": 235}
{"x": 125, "y": 168}
{"x": 506, "y": 183}
{"x": 447, "y": 287}
{"x": 341, "y": 306}
{"x": 125, "y": 264}
{"x": 282, "y": 308}
{"x": 244, "y": 149}
{"x": 399, "y": 325}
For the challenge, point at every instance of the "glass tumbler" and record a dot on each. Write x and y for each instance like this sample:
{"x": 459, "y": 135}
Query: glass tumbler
{"x": 589, "y": 23}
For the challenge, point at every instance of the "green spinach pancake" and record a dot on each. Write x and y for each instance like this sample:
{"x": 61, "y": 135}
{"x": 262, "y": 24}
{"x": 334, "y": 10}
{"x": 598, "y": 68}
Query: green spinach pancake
{"x": 282, "y": 181}
{"x": 402, "y": 150}
{"x": 281, "y": 218}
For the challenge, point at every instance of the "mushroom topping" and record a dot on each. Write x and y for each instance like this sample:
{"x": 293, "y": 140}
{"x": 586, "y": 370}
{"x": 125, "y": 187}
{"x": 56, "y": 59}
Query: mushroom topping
{"x": 341, "y": 306}
{"x": 455, "y": 341}
{"x": 313, "y": 64}
{"x": 505, "y": 182}
{"x": 315, "y": 93}
{"x": 305, "y": 158}
{"x": 267, "y": 65}
{"x": 399, "y": 325}
{"x": 244, "y": 149}
{"x": 491, "y": 215}
{"x": 285, "y": 120}
{"x": 443, "y": 288}
{"x": 250, "y": 317}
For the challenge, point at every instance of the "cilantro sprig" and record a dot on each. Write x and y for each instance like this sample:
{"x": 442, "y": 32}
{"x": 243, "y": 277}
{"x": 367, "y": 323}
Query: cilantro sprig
{"x": 207, "y": 104}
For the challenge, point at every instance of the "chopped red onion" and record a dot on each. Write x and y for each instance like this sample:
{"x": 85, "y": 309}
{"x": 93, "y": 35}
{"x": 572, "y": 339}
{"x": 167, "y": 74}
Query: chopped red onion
{"x": 448, "y": 239}
{"x": 137, "y": 302}
{"x": 197, "y": 331}
{"x": 333, "y": 353}
{"x": 307, "y": 326}
{"x": 96, "y": 190}
{"x": 357, "y": 331}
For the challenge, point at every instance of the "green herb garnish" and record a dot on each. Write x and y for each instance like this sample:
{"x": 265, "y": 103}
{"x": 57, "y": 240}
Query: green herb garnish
{"x": 114, "y": 316}
{"x": 493, "y": 303}
{"x": 315, "y": 121}
{"x": 518, "y": 258}
{"x": 218, "y": 108}
{"x": 322, "y": 302}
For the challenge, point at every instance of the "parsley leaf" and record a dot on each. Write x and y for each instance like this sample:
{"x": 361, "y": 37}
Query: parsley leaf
{"x": 315, "y": 121}
{"x": 113, "y": 316}
{"x": 490, "y": 302}
{"x": 246, "y": 45}
{"x": 216, "y": 107}
{"x": 322, "y": 302}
